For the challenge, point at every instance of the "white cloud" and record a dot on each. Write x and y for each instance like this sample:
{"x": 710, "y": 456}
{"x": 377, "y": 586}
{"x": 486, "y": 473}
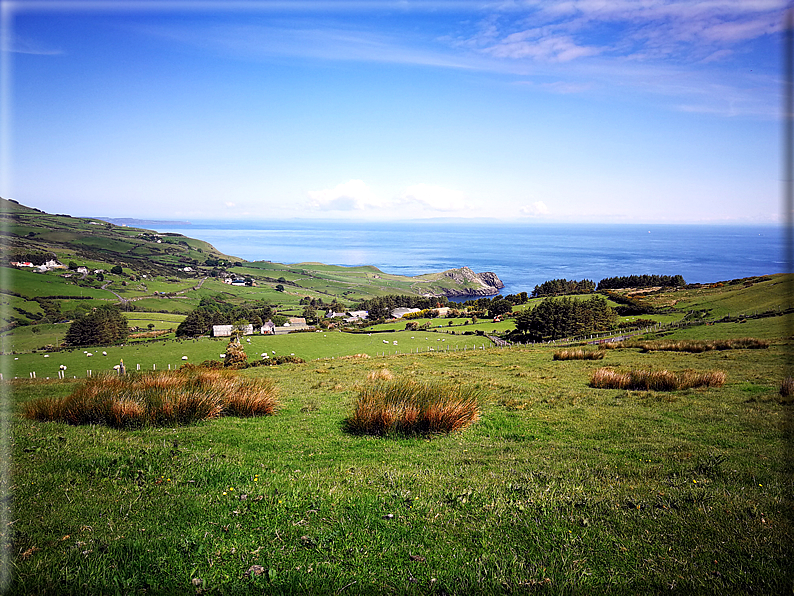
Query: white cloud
{"x": 536, "y": 209}
{"x": 353, "y": 195}
{"x": 229, "y": 204}
{"x": 433, "y": 198}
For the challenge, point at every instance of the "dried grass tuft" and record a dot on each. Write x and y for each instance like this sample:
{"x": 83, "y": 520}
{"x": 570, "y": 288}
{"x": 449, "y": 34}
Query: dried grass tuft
{"x": 382, "y": 374}
{"x": 698, "y": 346}
{"x": 165, "y": 398}
{"x": 655, "y": 380}
{"x": 406, "y": 407}
{"x": 578, "y": 354}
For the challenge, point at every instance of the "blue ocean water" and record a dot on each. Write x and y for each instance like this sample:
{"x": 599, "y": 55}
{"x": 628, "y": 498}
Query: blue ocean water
{"x": 521, "y": 255}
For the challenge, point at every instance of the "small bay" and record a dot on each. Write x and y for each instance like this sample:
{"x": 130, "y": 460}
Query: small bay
{"x": 522, "y": 255}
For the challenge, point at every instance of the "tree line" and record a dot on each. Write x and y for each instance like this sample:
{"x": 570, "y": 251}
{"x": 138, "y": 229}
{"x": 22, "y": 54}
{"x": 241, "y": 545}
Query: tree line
{"x": 641, "y": 281}
{"x": 560, "y": 287}
{"x": 555, "y": 318}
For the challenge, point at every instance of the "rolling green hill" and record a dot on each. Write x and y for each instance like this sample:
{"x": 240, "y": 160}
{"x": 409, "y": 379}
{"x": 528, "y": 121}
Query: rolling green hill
{"x": 169, "y": 272}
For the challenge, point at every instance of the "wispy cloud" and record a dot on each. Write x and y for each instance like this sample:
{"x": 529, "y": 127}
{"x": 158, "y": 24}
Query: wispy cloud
{"x": 677, "y": 50}
{"x": 22, "y": 45}
{"x": 328, "y": 42}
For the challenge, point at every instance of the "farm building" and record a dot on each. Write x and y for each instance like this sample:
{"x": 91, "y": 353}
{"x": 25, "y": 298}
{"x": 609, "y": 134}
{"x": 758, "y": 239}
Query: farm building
{"x": 399, "y": 313}
{"x": 226, "y": 330}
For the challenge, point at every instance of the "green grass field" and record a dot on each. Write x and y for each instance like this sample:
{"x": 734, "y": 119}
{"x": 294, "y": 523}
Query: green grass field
{"x": 559, "y": 488}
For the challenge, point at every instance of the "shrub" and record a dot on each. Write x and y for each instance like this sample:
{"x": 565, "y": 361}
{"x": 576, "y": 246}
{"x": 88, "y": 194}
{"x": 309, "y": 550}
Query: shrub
{"x": 275, "y": 360}
{"x": 406, "y": 407}
{"x": 655, "y": 380}
{"x": 163, "y": 398}
{"x": 578, "y": 354}
{"x": 235, "y": 355}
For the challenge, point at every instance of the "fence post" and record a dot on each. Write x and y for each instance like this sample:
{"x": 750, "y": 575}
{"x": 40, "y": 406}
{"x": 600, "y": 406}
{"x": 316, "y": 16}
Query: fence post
{"x": 139, "y": 367}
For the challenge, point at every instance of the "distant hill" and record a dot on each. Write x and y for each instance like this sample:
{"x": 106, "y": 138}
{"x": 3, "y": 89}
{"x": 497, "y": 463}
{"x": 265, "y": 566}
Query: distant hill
{"x": 129, "y": 221}
{"x": 30, "y": 230}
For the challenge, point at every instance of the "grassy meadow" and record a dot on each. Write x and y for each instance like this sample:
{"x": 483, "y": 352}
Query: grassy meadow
{"x": 549, "y": 484}
{"x": 559, "y": 487}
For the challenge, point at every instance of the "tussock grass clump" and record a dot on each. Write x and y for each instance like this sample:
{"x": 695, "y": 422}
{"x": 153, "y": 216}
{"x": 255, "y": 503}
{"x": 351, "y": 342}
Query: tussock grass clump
{"x": 578, "y": 354}
{"x": 163, "y": 398}
{"x": 612, "y": 345}
{"x": 655, "y": 380}
{"x": 406, "y": 407}
{"x": 698, "y": 346}
{"x": 382, "y": 374}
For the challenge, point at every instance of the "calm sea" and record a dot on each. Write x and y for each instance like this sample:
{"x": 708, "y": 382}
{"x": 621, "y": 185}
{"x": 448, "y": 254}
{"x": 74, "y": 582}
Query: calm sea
{"x": 521, "y": 255}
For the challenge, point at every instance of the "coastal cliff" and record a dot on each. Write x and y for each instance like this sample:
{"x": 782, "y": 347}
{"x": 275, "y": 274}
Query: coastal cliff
{"x": 472, "y": 284}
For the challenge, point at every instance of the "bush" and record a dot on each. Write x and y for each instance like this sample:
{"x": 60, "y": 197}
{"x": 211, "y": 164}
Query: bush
{"x": 655, "y": 380}
{"x": 406, "y": 407}
{"x": 165, "y": 398}
{"x": 276, "y": 360}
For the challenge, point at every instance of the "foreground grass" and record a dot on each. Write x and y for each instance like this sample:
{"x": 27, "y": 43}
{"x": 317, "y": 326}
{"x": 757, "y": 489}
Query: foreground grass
{"x": 558, "y": 488}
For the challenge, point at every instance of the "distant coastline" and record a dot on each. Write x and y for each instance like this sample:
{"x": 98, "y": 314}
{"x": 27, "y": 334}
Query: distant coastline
{"x": 521, "y": 255}
{"x": 129, "y": 221}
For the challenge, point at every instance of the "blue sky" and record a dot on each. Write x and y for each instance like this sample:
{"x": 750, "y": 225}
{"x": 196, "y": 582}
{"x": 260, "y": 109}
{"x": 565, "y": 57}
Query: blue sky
{"x": 652, "y": 111}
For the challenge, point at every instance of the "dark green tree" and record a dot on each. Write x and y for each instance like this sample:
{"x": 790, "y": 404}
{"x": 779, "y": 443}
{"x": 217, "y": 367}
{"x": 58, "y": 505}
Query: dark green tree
{"x": 499, "y": 306}
{"x": 102, "y": 325}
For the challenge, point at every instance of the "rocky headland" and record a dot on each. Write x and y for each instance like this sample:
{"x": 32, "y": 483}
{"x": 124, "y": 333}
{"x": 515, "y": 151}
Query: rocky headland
{"x": 474, "y": 284}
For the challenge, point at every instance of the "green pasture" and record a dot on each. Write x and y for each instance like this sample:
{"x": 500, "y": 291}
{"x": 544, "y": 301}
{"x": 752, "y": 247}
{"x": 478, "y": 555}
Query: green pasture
{"x": 33, "y": 337}
{"x": 12, "y": 306}
{"x": 733, "y": 299}
{"x": 161, "y": 353}
{"x": 559, "y": 488}
{"x": 31, "y": 284}
{"x": 159, "y": 320}
{"x": 459, "y": 325}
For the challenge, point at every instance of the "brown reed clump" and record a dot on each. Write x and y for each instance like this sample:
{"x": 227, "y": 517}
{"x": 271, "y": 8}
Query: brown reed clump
{"x": 578, "y": 354}
{"x": 655, "y": 380}
{"x": 406, "y": 407}
{"x": 612, "y": 345}
{"x": 165, "y": 398}
{"x": 697, "y": 346}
